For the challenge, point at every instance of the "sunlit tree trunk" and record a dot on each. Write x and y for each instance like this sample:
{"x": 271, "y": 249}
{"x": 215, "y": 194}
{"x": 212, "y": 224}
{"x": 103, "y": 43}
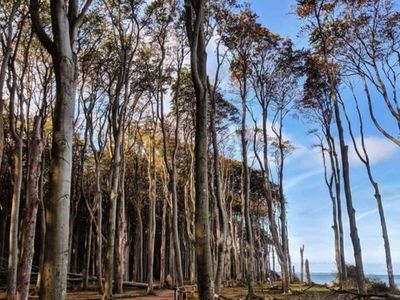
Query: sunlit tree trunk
{"x": 66, "y": 20}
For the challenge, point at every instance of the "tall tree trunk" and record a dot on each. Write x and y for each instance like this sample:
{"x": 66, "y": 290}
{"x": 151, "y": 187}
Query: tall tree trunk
{"x": 110, "y": 248}
{"x": 334, "y": 161}
{"x": 3, "y": 68}
{"x": 364, "y": 157}
{"x": 194, "y": 13}
{"x": 99, "y": 220}
{"x": 222, "y": 229}
{"x": 42, "y": 225}
{"x": 285, "y": 268}
{"x": 65, "y": 23}
{"x": 139, "y": 246}
{"x": 14, "y": 222}
{"x": 332, "y": 81}
{"x": 88, "y": 247}
{"x": 329, "y": 184}
{"x": 246, "y": 193}
{"x": 163, "y": 236}
{"x": 350, "y": 209}
{"x": 152, "y": 175}
{"x": 122, "y": 233}
{"x": 16, "y": 196}
{"x": 29, "y": 221}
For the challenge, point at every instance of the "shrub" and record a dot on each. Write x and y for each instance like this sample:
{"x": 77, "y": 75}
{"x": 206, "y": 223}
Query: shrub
{"x": 377, "y": 286}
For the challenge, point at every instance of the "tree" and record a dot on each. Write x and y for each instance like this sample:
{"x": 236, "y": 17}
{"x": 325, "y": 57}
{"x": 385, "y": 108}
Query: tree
{"x": 66, "y": 19}
{"x": 369, "y": 37}
{"x": 317, "y": 11}
{"x": 317, "y": 107}
{"x": 7, "y": 49}
{"x": 194, "y": 19}
{"x": 362, "y": 154}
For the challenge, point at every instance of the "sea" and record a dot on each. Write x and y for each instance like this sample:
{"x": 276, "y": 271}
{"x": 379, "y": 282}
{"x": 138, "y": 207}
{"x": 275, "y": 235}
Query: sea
{"x": 326, "y": 278}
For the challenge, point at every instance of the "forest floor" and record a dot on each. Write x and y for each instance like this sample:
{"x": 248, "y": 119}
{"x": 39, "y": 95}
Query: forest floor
{"x": 298, "y": 292}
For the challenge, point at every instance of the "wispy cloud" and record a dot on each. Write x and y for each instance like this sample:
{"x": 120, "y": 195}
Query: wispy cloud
{"x": 373, "y": 211}
{"x": 295, "y": 180}
{"x": 378, "y": 149}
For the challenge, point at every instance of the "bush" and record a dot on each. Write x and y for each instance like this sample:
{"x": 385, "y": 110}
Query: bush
{"x": 377, "y": 286}
{"x": 351, "y": 276}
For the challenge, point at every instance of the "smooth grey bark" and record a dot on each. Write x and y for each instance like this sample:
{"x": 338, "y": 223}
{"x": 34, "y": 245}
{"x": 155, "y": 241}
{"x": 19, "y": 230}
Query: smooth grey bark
{"x": 246, "y": 187}
{"x": 170, "y": 164}
{"x": 280, "y": 114}
{"x": 42, "y": 227}
{"x": 97, "y": 152}
{"x": 334, "y": 162}
{"x": 362, "y": 154}
{"x": 16, "y": 195}
{"x": 349, "y": 202}
{"x": 31, "y": 207}
{"x": 121, "y": 238}
{"x": 268, "y": 193}
{"x": 152, "y": 177}
{"x": 194, "y": 19}
{"x": 65, "y": 20}
{"x": 332, "y": 84}
{"x": 222, "y": 230}
{"x": 329, "y": 184}
{"x": 114, "y": 189}
{"x": 163, "y": 234}
{"x": 3, "y": 68}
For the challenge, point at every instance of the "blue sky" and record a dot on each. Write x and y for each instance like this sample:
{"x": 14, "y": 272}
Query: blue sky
{"x": 309, "y": 207}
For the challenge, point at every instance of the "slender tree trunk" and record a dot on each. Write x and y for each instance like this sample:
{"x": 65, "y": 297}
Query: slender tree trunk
{"x": 350, "y": 209}
{"x": 336, "y": 175}
{"x": 14, "y": 222}
{"x": 366, "y": 161}
{"x": 194, "y": 13}
{"x": 152, "y": 214}
{"x": 246, "y": 194}
{"x": 285, "y": 238}
{"x": 329, "y": 184}
{"x": 122, "y": 234}
{"x": 99, "y": 235}
{"x": 88, "y": 257}
{"x": 3, "y": 68}
{"x": 16, "y": 196}
{"x": 302, "y": 264}
{"x": 110, "y": 248}
{"x": 42, "y": 227}
{"x": 308, "y": 274}
{"x": 139, "y": 252}
{"x": 222, "y": 227}
{"x": 178, "y": 256}
{"x": 163, "y": 239}
{"x": 29, "y": 221}
{"x": 360, "y": 278}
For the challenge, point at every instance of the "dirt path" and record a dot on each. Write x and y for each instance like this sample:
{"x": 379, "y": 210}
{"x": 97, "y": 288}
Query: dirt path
{"x": 160, "y": 295}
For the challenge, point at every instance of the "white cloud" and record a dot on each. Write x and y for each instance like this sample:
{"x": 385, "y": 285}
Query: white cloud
{"x": 378, "y": 149}
{"x": 294, "y": 181}
{"x": 386, "y": 204}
